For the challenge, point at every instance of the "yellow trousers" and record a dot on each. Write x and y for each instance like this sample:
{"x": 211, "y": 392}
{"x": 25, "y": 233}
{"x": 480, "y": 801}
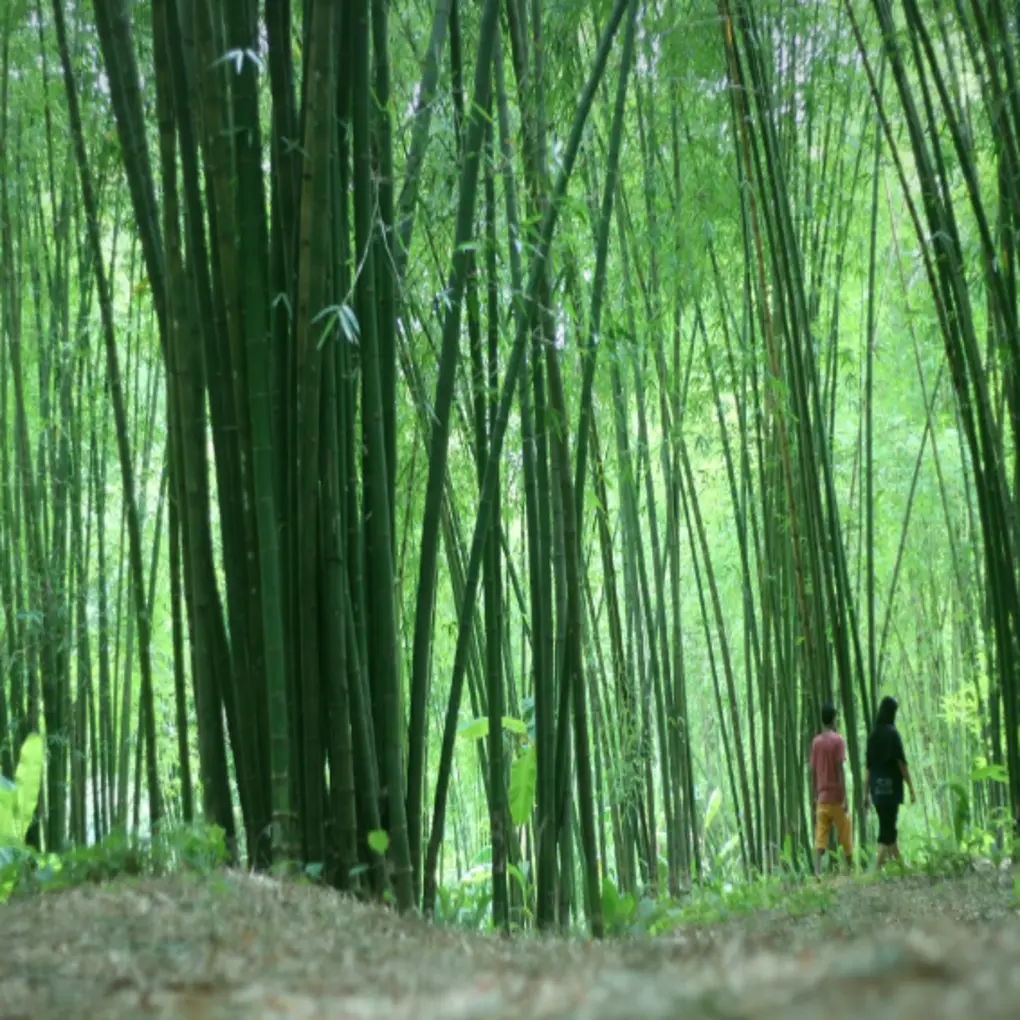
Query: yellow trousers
{"x": 826, "y": 816}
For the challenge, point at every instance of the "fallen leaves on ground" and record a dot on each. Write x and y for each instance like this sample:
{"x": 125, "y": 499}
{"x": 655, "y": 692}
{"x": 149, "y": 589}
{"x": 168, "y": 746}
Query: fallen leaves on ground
{"x": 235, "y": 945}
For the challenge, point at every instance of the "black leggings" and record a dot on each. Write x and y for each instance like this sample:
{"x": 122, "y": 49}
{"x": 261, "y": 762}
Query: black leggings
{"x": 887, "y": 814}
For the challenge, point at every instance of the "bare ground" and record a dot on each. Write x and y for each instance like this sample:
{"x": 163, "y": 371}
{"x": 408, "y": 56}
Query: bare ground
{"x": 236, "y": 946}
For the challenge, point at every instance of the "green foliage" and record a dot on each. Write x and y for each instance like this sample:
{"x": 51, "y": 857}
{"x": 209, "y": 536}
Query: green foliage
{"x": 617, "y": 910}
{"x": 523, "y": 783}
{"x": 379, "y": 841}
{"x": 466, "y": 904}
{"x": 941, "y": 857}
{"x": 18, "y": 799}
{"x": 187, "y": 849}
{"x": 961, "y": 808}
{"x": 339, "y": 318}
{"x": 711, "y": 903}
{"x": 714, "y": 806}
{"x": 478, "y": 729}
{"x": 524, "y": 769}
{"x": 954, "y": 849}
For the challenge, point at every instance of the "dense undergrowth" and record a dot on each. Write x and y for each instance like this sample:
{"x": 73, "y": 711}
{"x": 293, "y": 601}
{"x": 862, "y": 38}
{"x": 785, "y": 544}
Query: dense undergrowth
{"x": 201, "y": 850}
{"x": 938, "y": 852}
{"x": 466, "y": 904}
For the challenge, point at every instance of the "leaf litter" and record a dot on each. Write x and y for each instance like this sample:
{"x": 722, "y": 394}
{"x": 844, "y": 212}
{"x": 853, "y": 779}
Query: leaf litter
{"x": 236, "y": 945}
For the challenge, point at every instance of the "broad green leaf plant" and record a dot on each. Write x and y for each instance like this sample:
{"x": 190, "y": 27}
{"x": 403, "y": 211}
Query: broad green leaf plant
{"x": 18, "y": 799}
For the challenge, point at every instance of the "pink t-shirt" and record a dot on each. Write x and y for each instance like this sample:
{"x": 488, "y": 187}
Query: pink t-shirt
{"x": 828, "y": 752}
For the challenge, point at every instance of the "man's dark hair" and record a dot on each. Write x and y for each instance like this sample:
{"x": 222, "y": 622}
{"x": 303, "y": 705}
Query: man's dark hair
{"x": 828, "y": 713}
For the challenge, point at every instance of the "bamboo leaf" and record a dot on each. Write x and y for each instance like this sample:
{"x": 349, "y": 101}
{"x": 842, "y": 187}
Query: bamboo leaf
{"x": 478, "y": 728}
{"x": 18, "y": 799}
{"x": 516, "y": 872}
{"x": 379, "y": 841}
{"x": 475, "y": 730}
{"x": 991, "y": 772}
{"x": 523, "y": 780}
{"x": 714, "y": 806}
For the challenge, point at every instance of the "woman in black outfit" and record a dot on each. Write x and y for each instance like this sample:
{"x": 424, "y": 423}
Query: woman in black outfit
{"x": 886, "y": 773}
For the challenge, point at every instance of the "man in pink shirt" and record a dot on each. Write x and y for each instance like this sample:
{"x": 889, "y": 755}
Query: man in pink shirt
{"x": 828, "y": 755}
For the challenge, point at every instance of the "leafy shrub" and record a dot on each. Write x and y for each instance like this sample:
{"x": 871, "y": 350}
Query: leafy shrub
{"x": 18, "y": 799}
{"x": 713, "y": 902}
{"x": 952, "y": 850}
{"x": 467, "y": 903}
{"x": 192, "y": 849}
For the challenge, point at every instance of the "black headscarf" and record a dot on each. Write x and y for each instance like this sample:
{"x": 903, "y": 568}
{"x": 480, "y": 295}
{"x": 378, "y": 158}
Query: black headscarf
{"x": 886, "y": 715}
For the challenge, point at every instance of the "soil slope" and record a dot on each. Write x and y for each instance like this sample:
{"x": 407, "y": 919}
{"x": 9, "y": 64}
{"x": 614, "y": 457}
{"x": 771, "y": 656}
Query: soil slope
{"x": 235, "y": 946}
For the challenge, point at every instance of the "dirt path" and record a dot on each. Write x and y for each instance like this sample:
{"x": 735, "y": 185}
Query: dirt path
{"x": 235, "y": 946}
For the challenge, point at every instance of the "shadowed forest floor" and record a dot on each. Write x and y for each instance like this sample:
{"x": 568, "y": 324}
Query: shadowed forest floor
{"x": 235, "y": 946}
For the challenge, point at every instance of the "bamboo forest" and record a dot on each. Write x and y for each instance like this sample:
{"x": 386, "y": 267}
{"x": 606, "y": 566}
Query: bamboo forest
{"x": 496, "y": 468}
